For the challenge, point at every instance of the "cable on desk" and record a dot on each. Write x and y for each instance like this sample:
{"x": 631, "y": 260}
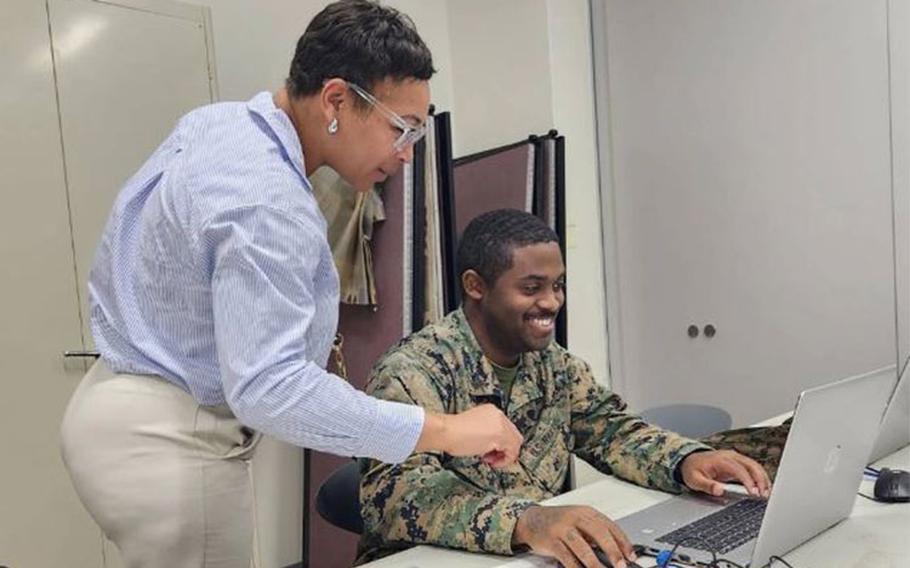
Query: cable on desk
{"x": 731, "y": 564}
{"x": 666, "y": 556}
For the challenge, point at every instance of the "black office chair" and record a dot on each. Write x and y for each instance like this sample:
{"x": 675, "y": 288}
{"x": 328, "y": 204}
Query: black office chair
{"x": 338, "y": 499}
{"x": 690, "y": 420}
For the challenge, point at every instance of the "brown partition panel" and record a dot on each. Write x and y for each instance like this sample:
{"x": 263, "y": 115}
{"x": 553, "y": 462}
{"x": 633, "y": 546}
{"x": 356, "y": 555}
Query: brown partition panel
{"x": 369, "y": 330}
{"x": 494, "y": 181}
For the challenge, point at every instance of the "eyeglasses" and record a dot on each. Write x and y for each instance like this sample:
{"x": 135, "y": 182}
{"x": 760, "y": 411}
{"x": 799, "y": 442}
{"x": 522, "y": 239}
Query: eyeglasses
{"x": 410, "y": 134}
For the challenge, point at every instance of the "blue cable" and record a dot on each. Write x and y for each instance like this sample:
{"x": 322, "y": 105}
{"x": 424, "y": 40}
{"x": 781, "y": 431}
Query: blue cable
{"x": 663, "y": 559}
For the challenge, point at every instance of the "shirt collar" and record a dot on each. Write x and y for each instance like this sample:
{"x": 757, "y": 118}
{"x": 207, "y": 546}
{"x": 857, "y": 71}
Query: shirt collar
{"x": 483, "y": 383}
{"x": 263, "y": 105}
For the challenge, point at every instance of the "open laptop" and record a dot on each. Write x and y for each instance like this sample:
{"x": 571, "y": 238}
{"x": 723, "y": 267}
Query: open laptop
{"x": 894, "y": 433}
{"x": 833, "y": 430}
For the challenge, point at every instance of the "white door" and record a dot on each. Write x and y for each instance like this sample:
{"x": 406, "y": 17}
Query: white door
{"x": 749, "y": 154}
{"x": 42, "y": 522}
{"x": 125, "y": 75}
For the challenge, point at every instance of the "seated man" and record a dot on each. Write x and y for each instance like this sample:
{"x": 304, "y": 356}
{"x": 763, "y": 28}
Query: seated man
{"x": 498, "y": 348}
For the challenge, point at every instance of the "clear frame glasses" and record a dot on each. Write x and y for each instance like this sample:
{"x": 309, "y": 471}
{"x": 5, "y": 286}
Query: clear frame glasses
{"x": 410, "y": 134}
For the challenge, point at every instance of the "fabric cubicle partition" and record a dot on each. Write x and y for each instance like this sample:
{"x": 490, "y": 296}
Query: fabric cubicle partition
{"x": 501, "y": 178}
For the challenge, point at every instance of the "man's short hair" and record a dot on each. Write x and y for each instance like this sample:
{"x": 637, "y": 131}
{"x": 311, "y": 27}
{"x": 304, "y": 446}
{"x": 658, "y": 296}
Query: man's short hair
{"x": 359, "y": 41}
{"x": 488, "y": 241}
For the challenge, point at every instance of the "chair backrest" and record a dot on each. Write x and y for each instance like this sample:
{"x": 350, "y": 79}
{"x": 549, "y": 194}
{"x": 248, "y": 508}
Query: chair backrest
{"x": 690, "y": 420}
{"x": 338, "y": 499}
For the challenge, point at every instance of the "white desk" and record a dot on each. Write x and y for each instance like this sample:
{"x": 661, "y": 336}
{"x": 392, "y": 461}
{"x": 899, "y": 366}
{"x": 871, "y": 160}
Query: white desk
{"x": 876, "y": 535}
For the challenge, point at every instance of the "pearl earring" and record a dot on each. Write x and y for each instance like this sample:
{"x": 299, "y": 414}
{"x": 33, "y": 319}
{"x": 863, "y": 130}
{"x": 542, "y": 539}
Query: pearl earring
{"x": 333, "y": 126}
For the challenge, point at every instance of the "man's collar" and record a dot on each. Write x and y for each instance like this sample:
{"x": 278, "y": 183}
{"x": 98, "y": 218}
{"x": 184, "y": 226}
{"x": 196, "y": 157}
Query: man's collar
{"x": 484, "y": 386}
{"x": 481, "y": 378}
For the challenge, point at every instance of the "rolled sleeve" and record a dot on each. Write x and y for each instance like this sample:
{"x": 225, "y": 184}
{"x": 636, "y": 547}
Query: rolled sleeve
{"x": 394, "y": 432}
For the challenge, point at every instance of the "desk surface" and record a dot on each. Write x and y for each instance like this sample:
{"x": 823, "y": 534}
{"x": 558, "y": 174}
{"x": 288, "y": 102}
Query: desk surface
{"x": 875, "y": 535}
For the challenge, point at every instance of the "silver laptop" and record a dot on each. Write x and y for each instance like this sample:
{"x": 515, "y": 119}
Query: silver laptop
{"x": 894, "y": 433}
{"x": 833, "y": 430}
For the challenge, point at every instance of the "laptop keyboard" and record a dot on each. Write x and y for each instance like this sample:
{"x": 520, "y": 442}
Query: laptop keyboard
{"x": 723, "y": 530}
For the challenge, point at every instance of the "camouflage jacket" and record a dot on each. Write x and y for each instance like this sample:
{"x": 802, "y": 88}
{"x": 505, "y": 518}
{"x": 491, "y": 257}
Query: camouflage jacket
{"x": 763, "y": 444}
{"x": 463, "y": 503}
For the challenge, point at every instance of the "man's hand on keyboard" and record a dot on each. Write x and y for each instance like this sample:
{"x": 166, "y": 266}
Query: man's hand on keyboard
{"x": 708, "y": 471}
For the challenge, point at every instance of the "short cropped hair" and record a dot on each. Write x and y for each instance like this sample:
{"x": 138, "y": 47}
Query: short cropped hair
{"x": 359, "y": 41}
{"x": 488, "y": 241}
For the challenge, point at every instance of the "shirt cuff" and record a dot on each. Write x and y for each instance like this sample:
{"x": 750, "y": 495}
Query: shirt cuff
{"x": 393, "y": 433}
{"x": 676, "y": 463}
{"x": 503, "y": 516}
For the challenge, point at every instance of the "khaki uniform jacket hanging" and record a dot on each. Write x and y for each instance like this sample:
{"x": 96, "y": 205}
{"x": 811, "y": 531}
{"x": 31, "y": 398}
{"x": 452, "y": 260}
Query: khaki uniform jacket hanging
{"x": 350, "y": 215}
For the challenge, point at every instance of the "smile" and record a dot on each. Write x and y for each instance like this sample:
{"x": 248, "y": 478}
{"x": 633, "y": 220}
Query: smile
{"x": 543, "y": 323}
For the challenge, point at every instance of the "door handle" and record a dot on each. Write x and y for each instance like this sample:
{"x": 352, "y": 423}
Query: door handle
{"x": 71, "y": 354}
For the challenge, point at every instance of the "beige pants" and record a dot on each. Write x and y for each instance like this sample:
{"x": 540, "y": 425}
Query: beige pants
{"x": 167, "y": 480}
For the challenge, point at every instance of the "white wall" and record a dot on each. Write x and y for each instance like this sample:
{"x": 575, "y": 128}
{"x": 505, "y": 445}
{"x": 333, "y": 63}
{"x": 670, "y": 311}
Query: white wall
{"x": 750, "y": 177}
{"x": 501, "y": 72}
{"x": 522, "y": 67}
{"x": 572, "y": 85}
{"x": 431, "y": 19}
{"x": 255, "y": 41}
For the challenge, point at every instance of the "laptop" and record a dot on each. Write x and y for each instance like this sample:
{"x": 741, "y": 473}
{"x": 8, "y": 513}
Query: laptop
{"x": 833, "y": 430}
{"x": 894, "y": 433}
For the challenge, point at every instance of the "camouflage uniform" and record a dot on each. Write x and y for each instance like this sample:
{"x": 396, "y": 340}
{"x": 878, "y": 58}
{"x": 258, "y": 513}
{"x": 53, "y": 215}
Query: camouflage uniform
{"x": 461, "y": 502}
{"x": 763, "y": 444}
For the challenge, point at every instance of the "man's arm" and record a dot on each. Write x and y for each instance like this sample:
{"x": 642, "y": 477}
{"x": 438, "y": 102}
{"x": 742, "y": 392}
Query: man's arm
{"x": 615, "y": 441}
{"x": 420, "y": 501}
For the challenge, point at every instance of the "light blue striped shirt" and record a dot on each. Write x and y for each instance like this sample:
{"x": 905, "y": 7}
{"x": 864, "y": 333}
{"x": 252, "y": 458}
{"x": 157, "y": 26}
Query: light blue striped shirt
{"x": 214, "y": 272}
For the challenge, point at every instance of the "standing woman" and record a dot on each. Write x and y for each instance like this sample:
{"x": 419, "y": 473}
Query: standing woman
{"x": 214, "y": 302}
